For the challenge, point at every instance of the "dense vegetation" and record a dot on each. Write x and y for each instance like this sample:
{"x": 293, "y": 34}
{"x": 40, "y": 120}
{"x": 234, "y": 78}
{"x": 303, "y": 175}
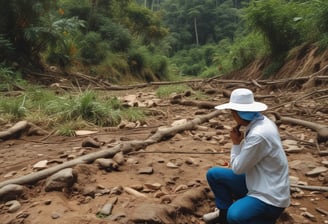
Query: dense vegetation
{"x": 124, "y": 41}
{"x": 142, "y": 39}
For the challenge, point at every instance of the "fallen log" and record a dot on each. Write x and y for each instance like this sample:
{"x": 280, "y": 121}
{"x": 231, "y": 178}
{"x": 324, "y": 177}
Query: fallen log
{"x": 322, "y": 130}
{"x": 311, "y": 188}
{"x": 20, "y": 128}
{"x": 15, "y": 131}
{"x": 126, "y": 147}
{"x": 199, "y": 104}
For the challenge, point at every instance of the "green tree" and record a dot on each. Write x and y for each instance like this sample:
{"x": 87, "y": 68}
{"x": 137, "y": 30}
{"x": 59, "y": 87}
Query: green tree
{"x": 194, "y": 12}
{"x": 16, "y": 18}
{"x": 206, "y": 21}
{"x": 275, "y": 20}
{"x": 144, "y": 23}
{"x": 31, "y": 27}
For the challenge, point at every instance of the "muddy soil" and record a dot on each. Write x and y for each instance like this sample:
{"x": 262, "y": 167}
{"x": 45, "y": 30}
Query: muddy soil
{"x": 172, "y": 167}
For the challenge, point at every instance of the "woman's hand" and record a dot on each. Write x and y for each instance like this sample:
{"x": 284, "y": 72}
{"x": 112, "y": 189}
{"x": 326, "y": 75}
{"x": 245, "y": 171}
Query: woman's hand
{"x": 236, "y": 135}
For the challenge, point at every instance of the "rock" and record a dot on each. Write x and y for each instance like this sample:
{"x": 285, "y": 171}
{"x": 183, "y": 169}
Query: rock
{"x": 55, "y": 215}
{"x": 309, "y": 216}
{"x": 295, "y": 164}
{"x": 89, "y": 191}
{"x": 62, "y": 179}
{"x": 146, "y": 170}
{"x": 293, "y": 149}
{"x": 132, "y": 161}
{"x": 40, "y": 165}
{"x": 13, "y": 205}
{"x": 11, "y": 191}
{"x": 86, "y": 174}
{"x": 291, "y": 146}
{"x": 171, "y": 165}
{"x": 90, "y": 142}
{"x": 107, "y": 164}
{"x": 317, "y": 171}
{"x": 119, "y": 158}
{"x": 293, "y": 180}
{"x": 131, "y": 191}
{"x": 154, "y": 186}
{"x": 84, "y": 132}
{"x": 106, "y": 209}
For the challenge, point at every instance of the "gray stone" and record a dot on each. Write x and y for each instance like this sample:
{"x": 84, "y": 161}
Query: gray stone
{"x": 55, "y": 215}
{"x": 11, "y": 191}
{"x": 62, "y": 179}
{"x": 107, "y": 164}
{"x": 108, "y": 207}
{"x": 146, "y": 170}
{"x": 14, "y": 206}
{"x": 119, "y": 158}
{"x": 40, "y": 165}
{"x": 317, "y": 171}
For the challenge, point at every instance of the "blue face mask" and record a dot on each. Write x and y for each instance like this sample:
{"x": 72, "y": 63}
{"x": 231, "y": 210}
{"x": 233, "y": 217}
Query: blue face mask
{"x": 248, "y": 116}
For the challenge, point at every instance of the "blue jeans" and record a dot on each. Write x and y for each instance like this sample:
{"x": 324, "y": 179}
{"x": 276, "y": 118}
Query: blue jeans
{"x": 230, "y": 193}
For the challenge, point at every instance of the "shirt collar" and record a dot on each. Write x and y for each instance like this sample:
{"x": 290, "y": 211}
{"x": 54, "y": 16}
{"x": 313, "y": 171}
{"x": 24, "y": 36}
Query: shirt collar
{"x": 258, "y": 117}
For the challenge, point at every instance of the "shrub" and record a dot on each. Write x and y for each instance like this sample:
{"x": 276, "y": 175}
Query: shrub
{"x": 10, "y": 79}
{"x": 159, "y": 66}
{"x": 92, "y": 48}
{"x": 275, "y": 20}
{"x": 139, "y": 59}
{"x": 118, "y": 37}
{"x": 246, "y": 49}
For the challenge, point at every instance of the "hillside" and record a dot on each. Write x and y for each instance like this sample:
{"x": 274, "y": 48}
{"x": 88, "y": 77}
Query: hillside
{"x": 303, "y": 61}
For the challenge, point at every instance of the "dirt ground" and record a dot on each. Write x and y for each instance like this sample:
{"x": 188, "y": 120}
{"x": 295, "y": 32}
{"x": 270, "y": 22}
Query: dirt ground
{"x": 177, "y": 166}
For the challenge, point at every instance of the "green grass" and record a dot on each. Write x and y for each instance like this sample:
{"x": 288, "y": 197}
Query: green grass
{"x": 68, "y": 128}
{"x": 13, "y": 108}
{"x": 68, "y": 112}
{"x": 166, "y": 91}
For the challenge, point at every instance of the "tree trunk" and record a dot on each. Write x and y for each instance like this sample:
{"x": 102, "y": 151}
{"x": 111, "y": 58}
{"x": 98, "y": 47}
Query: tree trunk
{"x": 196, "y": 32}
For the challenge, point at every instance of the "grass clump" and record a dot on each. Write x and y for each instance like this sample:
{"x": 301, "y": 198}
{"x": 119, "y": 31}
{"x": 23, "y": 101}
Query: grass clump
{"x": 13, "y": 108}
{"x": 68, "y": 112}
{"x": 68, "y": 127}
{"x": 133, "y": 114}
{"x": 87, "y": 106}
{"x": 166, "y": 91}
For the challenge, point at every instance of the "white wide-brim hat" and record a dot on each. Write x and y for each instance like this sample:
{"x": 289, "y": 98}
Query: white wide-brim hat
{"x": 243, "y": 100}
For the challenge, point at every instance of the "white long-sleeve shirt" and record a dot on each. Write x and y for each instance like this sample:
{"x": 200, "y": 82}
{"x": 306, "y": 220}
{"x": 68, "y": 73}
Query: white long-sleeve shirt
{"x": 263, "y": 161}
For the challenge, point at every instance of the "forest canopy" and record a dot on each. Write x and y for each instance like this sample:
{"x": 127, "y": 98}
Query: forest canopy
{"x": 155, "y": 39}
